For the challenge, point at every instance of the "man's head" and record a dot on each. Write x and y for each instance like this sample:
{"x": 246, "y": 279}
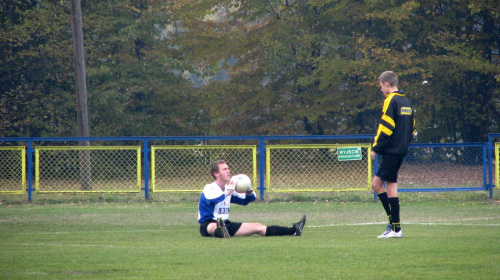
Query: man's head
{"x": 215, "y": 167}
{"x": 388, "y": 82}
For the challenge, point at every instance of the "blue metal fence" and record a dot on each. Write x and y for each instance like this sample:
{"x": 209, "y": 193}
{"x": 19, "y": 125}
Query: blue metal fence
{"x": 447, "y": 155}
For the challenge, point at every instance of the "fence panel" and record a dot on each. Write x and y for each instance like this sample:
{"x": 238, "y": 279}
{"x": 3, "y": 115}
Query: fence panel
{"x": 186, "y": 168}
{"x": 88, "y": 169}
{"x": 443, "y": 167}
{"x": 334, "y": 167}
{"x": 13, "y": 169}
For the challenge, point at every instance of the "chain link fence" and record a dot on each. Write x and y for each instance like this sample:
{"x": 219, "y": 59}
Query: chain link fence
{"x": 186, "y": 168}
{"x": 275, "y": 164}
{"x": 443, "y": 167}
{"x": 12, "y": 169}
{"x": 318, "y": 167}
{"x": 88, "y": 169}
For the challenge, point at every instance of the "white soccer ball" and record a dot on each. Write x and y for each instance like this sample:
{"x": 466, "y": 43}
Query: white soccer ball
{"x": 241, "y": 183}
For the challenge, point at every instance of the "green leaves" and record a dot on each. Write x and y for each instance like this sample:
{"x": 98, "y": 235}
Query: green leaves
{"x": 251, "y": 67}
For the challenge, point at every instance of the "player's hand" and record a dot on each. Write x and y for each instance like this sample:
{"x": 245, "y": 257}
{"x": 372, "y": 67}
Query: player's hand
{"x": 372, "y": 155}
{"x": 229, "y": 192}
{"x": 250, "y": 192}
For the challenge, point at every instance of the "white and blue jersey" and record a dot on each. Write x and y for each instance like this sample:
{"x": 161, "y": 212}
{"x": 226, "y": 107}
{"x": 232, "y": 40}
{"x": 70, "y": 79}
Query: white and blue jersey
{"x": 214, "y": 203}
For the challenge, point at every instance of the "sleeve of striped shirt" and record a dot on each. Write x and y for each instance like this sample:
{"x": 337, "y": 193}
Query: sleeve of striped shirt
{"x": 385, "y": 127}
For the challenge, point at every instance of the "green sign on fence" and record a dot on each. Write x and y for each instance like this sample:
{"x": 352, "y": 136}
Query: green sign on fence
{"x": 349, "y": 153}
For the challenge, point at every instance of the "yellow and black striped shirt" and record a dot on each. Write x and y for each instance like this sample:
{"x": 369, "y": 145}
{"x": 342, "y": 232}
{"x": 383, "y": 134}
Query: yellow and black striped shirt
{"x": 397, "y": 126}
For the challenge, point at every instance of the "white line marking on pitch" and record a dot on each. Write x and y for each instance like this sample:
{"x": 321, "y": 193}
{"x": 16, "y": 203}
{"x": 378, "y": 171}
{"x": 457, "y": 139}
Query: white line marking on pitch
{"x": 65, "y": 245}
{"x": 95, "y": 231}
{"x": 424, "y": 224}
{"x": 444, "y": 222}
{"x": 430, "y": 223}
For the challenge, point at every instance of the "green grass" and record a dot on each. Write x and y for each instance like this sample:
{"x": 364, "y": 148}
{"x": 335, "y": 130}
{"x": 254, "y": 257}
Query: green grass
{"x": 73, "y": 239}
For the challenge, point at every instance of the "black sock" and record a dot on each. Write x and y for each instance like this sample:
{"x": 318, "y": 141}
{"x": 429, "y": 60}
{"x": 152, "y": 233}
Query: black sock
{"x": 394, "y": 203}
{"x": 397, "y": 227}
{"x": 278, "y": 231}
{"x": 385, "y": 202}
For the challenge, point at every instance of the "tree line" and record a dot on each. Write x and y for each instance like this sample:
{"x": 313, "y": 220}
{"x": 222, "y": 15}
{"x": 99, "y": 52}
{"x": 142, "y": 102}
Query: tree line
{"x": 261, "y": 67}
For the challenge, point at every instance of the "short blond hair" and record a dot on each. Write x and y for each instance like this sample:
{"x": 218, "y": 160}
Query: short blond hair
{"x": 390, "y": 77}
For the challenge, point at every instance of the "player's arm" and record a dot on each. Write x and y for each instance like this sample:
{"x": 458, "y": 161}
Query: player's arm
{"x": 386, "y": 126}
{"x": 414, "y": 130}
{"x": 249, "y": 197}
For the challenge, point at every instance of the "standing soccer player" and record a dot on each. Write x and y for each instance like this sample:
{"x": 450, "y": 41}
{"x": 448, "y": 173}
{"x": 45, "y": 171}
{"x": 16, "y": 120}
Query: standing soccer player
{"x": 394, "y": 134}
{"x": 214, "y": 206}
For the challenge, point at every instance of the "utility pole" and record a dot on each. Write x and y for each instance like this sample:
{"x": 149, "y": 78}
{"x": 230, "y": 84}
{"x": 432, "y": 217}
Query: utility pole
{"x": 82, "y": 114}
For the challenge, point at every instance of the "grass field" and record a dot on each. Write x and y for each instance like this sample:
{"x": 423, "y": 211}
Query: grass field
{"x": 447, "y": 236}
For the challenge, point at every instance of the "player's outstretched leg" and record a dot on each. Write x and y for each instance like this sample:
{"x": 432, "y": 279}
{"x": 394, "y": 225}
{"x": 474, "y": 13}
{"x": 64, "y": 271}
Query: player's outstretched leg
{"x": 295, "y": 230}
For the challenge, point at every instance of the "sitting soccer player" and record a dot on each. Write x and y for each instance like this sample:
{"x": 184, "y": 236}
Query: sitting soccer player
{"x": 214, "y": 205}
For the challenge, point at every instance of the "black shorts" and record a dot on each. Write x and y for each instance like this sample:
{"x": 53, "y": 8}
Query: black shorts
{"x": 231, "y": 227}
{"x": 389, "y": 168}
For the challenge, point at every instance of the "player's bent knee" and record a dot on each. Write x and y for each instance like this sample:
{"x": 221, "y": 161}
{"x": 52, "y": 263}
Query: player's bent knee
{"x": 211, "y": 228}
